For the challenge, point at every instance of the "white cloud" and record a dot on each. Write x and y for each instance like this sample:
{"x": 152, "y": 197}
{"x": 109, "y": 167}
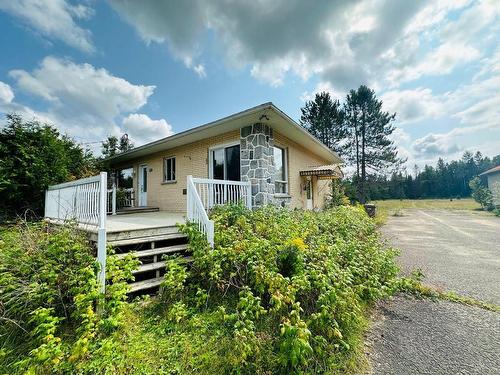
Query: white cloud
{"x": 344, "y": 43}
{"x": 54, "y": 19}
{"x": 435, "y": 144}
{"x": 87, "y": 102}
{"x": 265, "y": 35}
{"x": 200, "y": 70}
{"x": 6, "y": 94}
{"x": 440, "y": 61}
{"x": 323, "y": 87}
{"x": 142, "y": 129}
{"x": 399, "y": 136}
{"x": 412, "y": 105}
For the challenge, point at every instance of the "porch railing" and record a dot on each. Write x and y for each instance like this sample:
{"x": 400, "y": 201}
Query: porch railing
{"x": 203, "y": 194}
{"x": 84, "y": 201}
{"x": 218, "y": 192}
{"x": 120, "y": 198}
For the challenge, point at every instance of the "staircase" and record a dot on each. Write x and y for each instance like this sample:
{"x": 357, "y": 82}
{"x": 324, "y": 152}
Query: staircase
{"x": 149, "y": 245}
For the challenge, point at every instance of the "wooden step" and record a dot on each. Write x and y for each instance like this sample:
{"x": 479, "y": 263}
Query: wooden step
{"x": 139, "y": 233}
{"x": 146, "y": 284}
{"x": 157, "y": 265}
{"x": 157, "y": 251}
{"x": 134, "y": 210}
{"x": 138, "y": 240}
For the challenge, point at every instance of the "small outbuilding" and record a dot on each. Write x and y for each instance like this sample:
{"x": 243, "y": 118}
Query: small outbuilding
{"x": 493, "y": 180}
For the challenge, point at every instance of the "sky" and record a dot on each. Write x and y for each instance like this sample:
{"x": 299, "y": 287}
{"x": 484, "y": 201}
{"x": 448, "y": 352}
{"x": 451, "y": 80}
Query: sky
{"x": 153, "y": 68}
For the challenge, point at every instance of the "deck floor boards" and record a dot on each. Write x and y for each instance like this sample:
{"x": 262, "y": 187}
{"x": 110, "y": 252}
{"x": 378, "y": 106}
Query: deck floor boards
{"x": 143, "y": 220}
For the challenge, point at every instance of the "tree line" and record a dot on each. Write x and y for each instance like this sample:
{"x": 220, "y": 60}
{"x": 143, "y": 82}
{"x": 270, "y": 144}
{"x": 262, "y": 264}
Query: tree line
{"x": 359, "y": 131}
{"x": 444, "y": 180}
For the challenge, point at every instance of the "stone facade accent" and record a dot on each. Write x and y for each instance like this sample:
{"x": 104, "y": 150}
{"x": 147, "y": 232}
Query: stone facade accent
{"x": 257, "y": 164}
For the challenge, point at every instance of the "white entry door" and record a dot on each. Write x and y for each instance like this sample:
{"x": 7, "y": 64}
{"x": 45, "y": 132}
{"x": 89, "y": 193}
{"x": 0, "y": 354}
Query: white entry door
{"x": 309, "y": 194}
{"x": 143, "y": 185}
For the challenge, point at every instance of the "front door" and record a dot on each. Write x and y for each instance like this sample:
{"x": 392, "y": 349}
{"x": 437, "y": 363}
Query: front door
{"x": 309, "y": 194}
{"x": 143, "y": 185}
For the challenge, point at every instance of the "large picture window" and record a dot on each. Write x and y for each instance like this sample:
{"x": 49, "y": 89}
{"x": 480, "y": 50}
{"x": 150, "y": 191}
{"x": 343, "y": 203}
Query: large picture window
{"x": 226, "y": 163}
{"x": 169, "y": 169}
{"x": 280, "y": 171}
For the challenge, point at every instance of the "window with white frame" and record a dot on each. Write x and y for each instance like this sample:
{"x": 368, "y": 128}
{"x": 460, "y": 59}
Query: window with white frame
{"x": 280, "y": 171}
{"x": 169, "y": 169}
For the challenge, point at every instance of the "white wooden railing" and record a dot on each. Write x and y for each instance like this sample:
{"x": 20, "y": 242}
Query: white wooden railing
{"x": 218, "y": 192}
{"x": 203, "y": 194}
{"x": 126, "y": 199}
{"x": 84, "y": 201}
{"x": 76, "y": 200}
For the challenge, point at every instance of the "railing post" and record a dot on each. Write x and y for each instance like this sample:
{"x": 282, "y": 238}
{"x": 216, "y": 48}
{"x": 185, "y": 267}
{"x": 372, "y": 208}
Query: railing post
{"x": 101, "y": 231}
{"x": 249, "y": 194}
{"x": 113, "y": 198}
{"x": 188, "y": 197}
{"x": 210, "y": 233}
{"x": 59, "y": 203}
{"x": 210, "y": 195}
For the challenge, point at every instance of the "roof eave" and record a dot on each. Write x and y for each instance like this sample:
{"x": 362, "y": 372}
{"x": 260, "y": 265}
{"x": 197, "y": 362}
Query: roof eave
{"x": 129, "y": 155}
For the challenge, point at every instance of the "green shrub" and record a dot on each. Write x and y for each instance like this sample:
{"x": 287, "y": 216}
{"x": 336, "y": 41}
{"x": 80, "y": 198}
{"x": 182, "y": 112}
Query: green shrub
{"x": 49, "y": 299}
{"x": 281, "y": 292}
{"x": 300, "y": 279}
{"x": 481, "y": 194}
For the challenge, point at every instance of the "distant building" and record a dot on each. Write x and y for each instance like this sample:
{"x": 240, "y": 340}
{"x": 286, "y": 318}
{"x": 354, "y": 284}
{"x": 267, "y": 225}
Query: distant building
{"x": 493, "y": 178}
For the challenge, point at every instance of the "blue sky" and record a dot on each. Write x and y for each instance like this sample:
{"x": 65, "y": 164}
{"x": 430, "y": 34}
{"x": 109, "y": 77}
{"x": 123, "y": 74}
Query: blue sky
{"x": 154, "y": 68}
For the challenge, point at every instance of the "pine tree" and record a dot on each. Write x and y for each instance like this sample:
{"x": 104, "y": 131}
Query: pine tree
{"x": 368, "y": 129}
{"x": 324, "y": 118}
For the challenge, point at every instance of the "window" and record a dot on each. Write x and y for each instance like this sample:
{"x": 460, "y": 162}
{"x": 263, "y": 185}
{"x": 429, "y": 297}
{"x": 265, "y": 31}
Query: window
{"x": 280, "y": 172}
{"x": 226, "y": 163}
{"x": 169, "y": 169}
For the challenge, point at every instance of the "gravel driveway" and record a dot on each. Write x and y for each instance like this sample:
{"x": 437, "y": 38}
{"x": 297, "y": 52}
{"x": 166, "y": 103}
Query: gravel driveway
{"x": 456, "y": 250}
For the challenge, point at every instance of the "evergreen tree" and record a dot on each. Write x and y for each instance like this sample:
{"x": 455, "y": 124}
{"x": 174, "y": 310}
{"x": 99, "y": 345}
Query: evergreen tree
{"x": 324, "y": 118}
{"x": 368, "y": 129}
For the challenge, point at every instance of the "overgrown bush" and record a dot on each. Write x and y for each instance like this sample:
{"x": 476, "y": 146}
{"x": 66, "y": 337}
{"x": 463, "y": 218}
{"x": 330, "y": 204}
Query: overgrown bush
{"x": 337, "y": 195}
{"x": 51, "y": 313}
{"x": 291, "y": 286}
{"x": 481, "y": 194}
{"x": 33, "y": 156}
{"x": 282, "y": 292}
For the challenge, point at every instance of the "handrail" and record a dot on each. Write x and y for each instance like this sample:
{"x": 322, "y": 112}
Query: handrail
{"x": 196, "y": 212}
{"x": 205, "y": 193}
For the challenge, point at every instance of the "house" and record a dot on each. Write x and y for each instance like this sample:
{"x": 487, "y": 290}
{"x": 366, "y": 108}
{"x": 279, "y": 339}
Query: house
{"x": 493, "y": 180}
{"x": 283, "y": 162}
{"x": 256, "y": 157}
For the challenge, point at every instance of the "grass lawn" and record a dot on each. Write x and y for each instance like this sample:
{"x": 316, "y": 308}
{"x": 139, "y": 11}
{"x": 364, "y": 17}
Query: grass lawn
{"x": 394, "y": 207}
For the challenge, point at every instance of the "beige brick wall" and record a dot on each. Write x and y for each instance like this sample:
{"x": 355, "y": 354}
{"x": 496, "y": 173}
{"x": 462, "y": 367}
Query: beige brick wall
{"x": 193, "y": 159}
{"x": 300, "y": 158}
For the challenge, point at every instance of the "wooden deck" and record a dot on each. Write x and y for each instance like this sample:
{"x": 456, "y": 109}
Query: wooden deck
{"x": 143, "y": 220}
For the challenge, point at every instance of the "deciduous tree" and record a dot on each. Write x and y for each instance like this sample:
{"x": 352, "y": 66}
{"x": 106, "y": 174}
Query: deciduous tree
{"x": 32, "y": 157}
